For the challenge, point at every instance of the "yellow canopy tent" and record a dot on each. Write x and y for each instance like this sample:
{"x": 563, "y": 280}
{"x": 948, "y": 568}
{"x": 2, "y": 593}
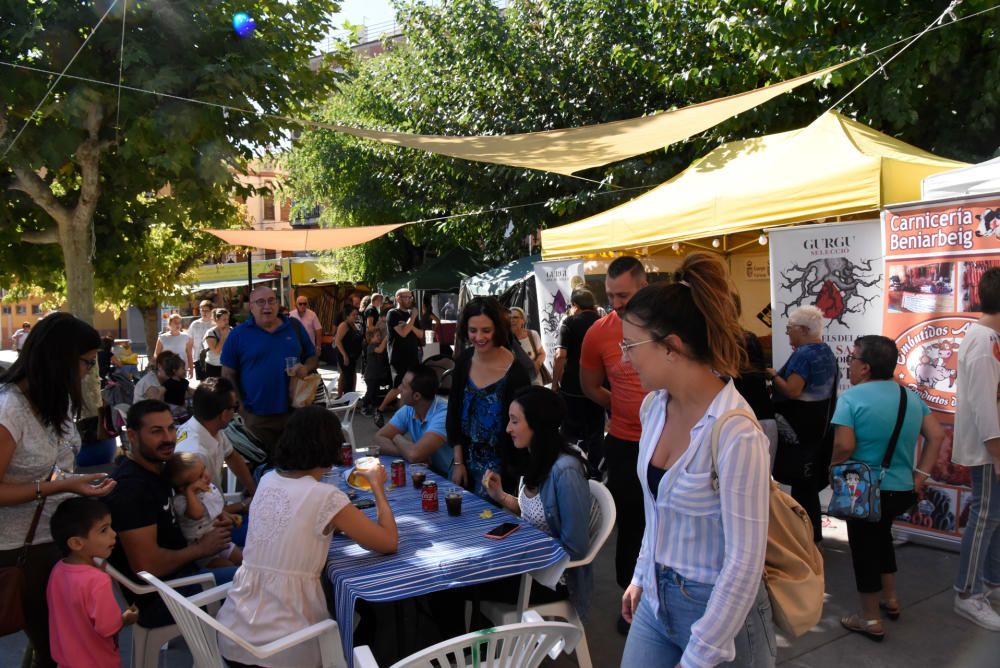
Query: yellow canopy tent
{"x": 833, "y": 167}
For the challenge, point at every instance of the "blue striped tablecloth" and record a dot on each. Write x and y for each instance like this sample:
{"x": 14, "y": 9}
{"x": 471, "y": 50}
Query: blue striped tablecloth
{"x": 436, "y": 552}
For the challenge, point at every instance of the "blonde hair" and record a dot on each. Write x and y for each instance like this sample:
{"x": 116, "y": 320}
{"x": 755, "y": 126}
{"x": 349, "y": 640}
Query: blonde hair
{"x": 697, "y": 307}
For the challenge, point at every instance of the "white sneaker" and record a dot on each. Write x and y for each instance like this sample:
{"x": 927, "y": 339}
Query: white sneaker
{"x": 978, "y": 611}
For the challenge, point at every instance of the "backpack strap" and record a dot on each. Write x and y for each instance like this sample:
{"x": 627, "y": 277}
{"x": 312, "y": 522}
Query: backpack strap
{"x": 717, "y": 430}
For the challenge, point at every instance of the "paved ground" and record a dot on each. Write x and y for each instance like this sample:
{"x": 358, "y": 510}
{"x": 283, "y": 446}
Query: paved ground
{"x": 929, "y": 633}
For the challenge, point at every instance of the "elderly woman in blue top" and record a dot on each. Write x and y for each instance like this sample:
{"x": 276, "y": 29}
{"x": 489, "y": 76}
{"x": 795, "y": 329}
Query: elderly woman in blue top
{"x": 697, "y": 598}
{"x": 803, "y": 392}
{"x": 865, "y": 418}
{"x": 553, "y": 495}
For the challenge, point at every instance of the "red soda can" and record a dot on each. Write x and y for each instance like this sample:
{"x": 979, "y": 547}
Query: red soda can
{"x": 429, "y": 496}
{"x": 398, "y": 473}
{"x": 347, "y": 454}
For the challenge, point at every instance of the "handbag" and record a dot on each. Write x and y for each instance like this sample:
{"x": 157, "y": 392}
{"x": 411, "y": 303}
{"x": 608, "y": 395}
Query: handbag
{"x": 544, "y": 375}
{"x": 302, "y": 391}
{"x": 857, "y": 490}
{"x": 793, "y": 565}
{"x": 12, "y": 583}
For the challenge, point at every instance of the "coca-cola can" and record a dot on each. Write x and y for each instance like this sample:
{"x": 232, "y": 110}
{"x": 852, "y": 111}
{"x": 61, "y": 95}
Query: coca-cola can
{"x": 429, "y": 496}
{"x": 398, "y": 473}
{"x": 347, "y": 455}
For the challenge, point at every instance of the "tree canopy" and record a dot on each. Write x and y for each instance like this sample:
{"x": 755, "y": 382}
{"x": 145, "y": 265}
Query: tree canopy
{"x": 467, "y": 67}
{"x": 97, "y": 169}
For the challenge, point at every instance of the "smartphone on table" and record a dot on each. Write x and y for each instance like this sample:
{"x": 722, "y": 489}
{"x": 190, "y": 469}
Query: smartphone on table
{"x": 502, "y": 531}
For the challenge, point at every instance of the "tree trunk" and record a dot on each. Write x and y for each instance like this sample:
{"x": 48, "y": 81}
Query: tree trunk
{"x": 75, "y": 240}
{"x": 150, "y": 323}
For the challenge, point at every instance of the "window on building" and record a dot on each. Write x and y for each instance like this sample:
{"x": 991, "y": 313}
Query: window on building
{"x": 268, "y": 208}
{"x": 36, "y": 309}
{"x": 270, "y": 254}
{"x": 21, "y": 309}
{"x": 6, "y": 310}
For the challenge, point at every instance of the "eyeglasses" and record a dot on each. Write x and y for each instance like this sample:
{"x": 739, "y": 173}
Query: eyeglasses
{"x": 90, "y": 363}
{"x": 788, "y": 328}
{"x": 625, "y": 347}
{"x": 302, "y": 303}
{"x": 851, "y": 357}
{"x": 261, "y": 303}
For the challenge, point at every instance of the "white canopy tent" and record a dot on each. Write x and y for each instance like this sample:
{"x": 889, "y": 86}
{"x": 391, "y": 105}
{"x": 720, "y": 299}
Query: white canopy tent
{"x": 976, "y": 179}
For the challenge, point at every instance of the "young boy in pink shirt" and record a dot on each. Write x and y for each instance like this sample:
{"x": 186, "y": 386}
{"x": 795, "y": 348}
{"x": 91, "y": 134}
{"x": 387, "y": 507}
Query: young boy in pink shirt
{"x": 84, "y": 617}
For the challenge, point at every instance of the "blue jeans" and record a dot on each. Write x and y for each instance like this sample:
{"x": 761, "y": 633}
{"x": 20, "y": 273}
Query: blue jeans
{"x": 659, "y": 640}
{"x": 979, "y": 562}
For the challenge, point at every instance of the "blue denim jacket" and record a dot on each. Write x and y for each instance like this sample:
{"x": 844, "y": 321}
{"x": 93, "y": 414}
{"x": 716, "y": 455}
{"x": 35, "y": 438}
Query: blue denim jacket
{"x": 566, "y": 496}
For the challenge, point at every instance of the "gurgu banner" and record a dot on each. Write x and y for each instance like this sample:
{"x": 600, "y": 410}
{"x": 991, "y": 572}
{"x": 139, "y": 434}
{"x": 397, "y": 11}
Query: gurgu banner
{"x": 554, "y": 283}
{"x": 835, "y": 267}
{"x": 935, "y": 254}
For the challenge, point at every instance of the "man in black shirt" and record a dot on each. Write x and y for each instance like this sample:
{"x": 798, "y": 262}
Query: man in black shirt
{"x": 404, "y": 344}
{"x": 584, "y": 419}
{"x": 373, "y": 312}
{"x": 149, "y": 537}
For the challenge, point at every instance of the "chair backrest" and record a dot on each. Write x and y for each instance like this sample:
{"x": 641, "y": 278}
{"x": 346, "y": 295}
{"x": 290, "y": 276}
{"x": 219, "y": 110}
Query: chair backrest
{"x": 344, "y": 406}
{"x": 126, "y": 582}
{"x": 601, "y": 525}
{"x": 522, "y": 645}
{"x": 200, "y": 630}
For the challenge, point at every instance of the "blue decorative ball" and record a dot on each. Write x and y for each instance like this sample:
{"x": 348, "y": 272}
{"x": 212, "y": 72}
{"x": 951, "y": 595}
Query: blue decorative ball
{"x": 243, "y": 24}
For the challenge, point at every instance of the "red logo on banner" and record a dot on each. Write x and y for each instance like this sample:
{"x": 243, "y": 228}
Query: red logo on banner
{"x": 928, "y": 360}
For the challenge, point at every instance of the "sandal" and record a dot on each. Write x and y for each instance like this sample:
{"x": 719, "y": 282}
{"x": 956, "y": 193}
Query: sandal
{"x": 856, "y": 624}
{"x": 890, "y": 608}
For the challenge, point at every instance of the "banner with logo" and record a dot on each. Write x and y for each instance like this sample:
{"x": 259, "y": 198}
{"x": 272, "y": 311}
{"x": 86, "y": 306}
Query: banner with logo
{"x": 936, "y": 251}
{"x": 835, "y": 267}
{"x": 554, "y": 283}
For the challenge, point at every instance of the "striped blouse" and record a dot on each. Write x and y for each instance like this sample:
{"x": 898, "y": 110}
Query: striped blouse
{"x": 708, "y": 537}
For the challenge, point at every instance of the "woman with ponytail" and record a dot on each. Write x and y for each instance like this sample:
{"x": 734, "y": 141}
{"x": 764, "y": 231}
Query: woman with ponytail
{"x": 697, "y": 597}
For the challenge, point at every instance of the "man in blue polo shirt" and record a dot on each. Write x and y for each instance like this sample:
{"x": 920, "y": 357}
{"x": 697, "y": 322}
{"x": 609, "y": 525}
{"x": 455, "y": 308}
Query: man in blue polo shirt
{"x": 417, "y": 431}
{"x": 253, "y": 359}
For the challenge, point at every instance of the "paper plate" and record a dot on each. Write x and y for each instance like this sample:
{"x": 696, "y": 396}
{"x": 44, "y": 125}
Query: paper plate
{"x": 357, "y": 481}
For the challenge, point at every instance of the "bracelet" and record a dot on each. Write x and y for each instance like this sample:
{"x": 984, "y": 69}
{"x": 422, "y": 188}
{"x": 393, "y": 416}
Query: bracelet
{"x": 38, "y": 490}
{"x": 457, "y": 463}
{"x": 923, "y": 473}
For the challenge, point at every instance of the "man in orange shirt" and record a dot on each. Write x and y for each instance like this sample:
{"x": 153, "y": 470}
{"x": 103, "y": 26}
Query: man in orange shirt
{"x": 600, "y": 362}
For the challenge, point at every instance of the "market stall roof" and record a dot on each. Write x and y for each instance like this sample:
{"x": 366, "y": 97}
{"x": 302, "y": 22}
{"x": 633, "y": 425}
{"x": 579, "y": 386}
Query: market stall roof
{"x": 496, "y": 281}
{"x": 444, "y": 273}
{"x": 218, "y": 285}
{"x": 833, "y": 167}
{"x": 978, "y": 179}
{"x": 304, "y": 240}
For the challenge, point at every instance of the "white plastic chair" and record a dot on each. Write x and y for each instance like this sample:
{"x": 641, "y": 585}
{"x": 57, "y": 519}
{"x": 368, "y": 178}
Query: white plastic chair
{"x": 344, "y": 409}
{"x": 146, "y": 643}
{"x": 504, "y": 613}
{"x": 523, "y": 645}
{"x": 201, "y": 630}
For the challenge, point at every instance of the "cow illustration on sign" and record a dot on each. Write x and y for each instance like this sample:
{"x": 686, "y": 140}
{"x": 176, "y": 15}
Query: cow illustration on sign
{"x": 834, "y": 285}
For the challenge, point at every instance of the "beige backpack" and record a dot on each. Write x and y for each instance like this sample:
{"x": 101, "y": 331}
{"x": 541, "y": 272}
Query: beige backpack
{"x": 793, "y": 565}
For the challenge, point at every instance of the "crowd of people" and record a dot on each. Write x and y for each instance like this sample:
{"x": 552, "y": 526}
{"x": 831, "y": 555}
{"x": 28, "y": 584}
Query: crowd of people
{"x": 631, "y": 400}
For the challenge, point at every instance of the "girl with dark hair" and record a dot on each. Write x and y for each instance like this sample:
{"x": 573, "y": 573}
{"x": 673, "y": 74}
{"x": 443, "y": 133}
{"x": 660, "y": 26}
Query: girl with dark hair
{"x": 553, "y": 495}
{"x": 292, "y": 517}
{"x": 696, "y": 597}
{"x": 484, "y": 381}
{"x": 40, "y": 395}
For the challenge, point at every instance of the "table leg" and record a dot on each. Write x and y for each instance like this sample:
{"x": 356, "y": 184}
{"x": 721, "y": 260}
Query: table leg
{"x": 523, "y": 594}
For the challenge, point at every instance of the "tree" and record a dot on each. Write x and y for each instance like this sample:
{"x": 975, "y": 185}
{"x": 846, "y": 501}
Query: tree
{"x": 466, "y": 68}
{"x": 82, "y": 172}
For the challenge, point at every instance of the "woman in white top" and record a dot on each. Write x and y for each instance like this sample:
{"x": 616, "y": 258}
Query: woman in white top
{"x": 215, "y": 338}
{"x": 39, "y": 396}
{"x": 530, "y": 341}
{"x": 277, "y": 590}
{"x": 176, "y": 341}
{"x": 697, "y": 597}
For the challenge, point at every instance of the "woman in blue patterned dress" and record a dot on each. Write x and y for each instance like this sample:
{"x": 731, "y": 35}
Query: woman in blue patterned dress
{"x": 484, "y": 382}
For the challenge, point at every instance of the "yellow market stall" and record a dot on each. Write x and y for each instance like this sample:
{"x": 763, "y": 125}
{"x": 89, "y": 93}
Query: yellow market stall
{"x": 834, "y": 167}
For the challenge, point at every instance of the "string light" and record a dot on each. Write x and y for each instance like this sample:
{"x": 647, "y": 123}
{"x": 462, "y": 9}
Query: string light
{"x": 716, "y": 243}
{"x": 762, "y": 239}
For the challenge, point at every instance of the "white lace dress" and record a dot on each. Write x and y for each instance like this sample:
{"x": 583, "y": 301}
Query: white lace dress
{"x": 277, "y": 591}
